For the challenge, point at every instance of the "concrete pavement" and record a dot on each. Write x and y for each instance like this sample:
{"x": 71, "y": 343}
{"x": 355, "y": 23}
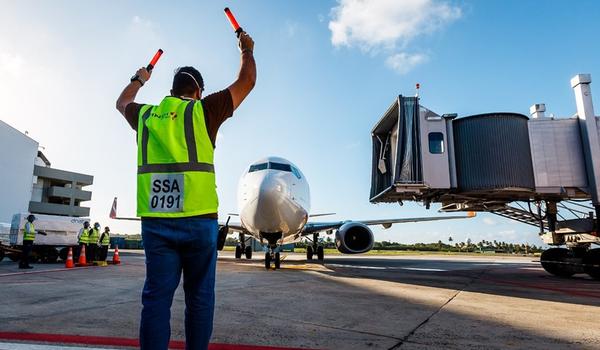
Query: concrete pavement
{"x": 350, "y": 302}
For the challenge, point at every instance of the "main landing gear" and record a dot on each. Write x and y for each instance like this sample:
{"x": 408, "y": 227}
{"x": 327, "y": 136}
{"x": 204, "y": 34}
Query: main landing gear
{"x": 565, "y": 262}
{"x": 242, "y": 248}
{"x": 315, "y": 248}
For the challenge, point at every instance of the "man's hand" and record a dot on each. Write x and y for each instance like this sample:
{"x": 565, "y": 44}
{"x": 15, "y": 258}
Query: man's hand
{"x": 245, "y": 42}
{"x": 144, "y": 74}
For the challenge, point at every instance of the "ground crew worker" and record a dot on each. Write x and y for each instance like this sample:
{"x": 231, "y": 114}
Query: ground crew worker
{"x": 93, "y": 243}
{"x": 104, "y": 244}
{"x": 83, "y": 237}
{"x": 176, "y": 195}
{"x": 28, "y": 238}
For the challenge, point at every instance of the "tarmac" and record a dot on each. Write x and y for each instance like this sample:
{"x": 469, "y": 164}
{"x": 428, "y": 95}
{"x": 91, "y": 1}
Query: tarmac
{"x": 349, "y": 302}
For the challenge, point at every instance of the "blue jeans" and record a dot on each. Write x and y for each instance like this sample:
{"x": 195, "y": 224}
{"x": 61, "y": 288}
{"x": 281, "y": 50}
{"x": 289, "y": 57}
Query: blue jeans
{"x": 173, "y": 246}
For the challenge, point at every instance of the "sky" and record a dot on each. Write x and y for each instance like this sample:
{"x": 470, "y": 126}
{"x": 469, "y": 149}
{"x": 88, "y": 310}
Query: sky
{"x": 327, "y": 71}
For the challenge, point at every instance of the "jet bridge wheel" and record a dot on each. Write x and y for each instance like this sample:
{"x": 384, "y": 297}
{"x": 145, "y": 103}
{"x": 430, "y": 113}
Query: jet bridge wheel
{"x": 556, "y": 262}
{"x": 591, "y": 263}
{"x": 309, "y": 252}
{"x": 238, "y": 251}
{"x": 248, "y": 252}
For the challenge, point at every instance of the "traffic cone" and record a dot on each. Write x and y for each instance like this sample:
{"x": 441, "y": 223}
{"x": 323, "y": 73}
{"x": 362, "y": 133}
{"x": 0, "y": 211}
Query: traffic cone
{"x": 82, "y": 261}
{"x": 116, "y": 260}
{"x": 69, "y": 264}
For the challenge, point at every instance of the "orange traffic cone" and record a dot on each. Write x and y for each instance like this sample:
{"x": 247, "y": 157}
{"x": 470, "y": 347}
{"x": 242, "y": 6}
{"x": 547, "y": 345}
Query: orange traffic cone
{"x": 82, "y": 261}
{"x": 116, "y": 260}
{"x": 69, "y": 263}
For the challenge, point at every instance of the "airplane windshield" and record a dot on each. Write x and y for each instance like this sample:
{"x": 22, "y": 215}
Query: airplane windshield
{"x": 270, "y": 165}
{"x": 257, "y": 167}
{"x": 280, "y": 166}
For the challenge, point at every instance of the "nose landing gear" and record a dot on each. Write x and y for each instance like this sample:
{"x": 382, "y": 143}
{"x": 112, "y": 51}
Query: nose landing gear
{"x": 272, "y": 256}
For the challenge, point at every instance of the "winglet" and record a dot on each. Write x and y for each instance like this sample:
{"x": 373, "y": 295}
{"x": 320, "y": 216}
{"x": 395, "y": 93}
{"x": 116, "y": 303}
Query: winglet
{"x": 470, "y": 214}
{"x": 113, "y": 210}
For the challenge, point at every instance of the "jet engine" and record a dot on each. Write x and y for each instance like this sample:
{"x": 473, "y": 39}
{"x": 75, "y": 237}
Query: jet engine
{"x": 354, "y": 238}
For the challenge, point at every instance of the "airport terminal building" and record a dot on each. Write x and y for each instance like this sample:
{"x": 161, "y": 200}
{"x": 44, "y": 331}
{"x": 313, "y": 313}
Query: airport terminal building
{"x": 29, "y": 183}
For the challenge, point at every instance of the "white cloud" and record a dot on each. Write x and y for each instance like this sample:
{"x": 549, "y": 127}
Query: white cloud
{"x": 389, "y": 26}
{"x": 403, "y": 62}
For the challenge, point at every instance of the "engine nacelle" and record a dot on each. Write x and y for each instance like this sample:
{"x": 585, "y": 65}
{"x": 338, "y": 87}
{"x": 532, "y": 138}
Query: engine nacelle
{"x": 354, "y": 238}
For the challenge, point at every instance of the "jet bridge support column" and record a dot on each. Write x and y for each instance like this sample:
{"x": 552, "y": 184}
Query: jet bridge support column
{"x": 589, "y": 136}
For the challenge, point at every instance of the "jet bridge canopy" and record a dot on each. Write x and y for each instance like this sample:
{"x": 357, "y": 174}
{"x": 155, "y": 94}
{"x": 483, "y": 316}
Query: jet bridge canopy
{"x": 491, "y": 158}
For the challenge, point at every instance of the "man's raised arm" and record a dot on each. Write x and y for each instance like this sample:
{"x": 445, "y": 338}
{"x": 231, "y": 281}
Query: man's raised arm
{"x": 129, "y": 93}
{"x": 247, "y": 76}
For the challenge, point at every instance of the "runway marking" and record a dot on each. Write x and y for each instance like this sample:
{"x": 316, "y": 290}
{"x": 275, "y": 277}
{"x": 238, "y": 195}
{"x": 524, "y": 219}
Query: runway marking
{"x": 359, "y": 267}
{"x": 422, "y": 269}
{"x": 107, "y": 341}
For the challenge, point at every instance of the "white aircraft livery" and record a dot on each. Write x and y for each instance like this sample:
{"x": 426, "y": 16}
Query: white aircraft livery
{"x": 274, "y": 209}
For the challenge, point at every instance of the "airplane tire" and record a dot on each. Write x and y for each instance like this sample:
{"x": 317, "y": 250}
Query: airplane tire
{"x": 320, "y": 253}
{"x": 238, "y": 252}
{"x": 554, "y": 262}
{"x": 248, "y": 252}
{"x": 267, "y": 260}
{"x": 591, "y": 263}
{"x": 309, "y": 252}
{"x": 277, "y": 261}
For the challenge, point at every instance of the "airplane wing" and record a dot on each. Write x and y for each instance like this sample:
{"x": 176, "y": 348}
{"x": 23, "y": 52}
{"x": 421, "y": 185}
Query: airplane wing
{"x": 232, "y": 227}
{"x": 315, "y": 227}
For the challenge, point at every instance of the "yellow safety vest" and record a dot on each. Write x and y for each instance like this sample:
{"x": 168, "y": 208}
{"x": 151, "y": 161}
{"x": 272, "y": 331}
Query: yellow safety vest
{"x": 84, "y": 238}
{"x": 93, "y": 237}
{"x": 29, "y": 234}
{"x": 105, "y": 239}
{"x": 176, "y": 176}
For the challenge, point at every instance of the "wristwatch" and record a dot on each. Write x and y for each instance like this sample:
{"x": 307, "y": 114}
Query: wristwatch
{"x": 137, "y": 78}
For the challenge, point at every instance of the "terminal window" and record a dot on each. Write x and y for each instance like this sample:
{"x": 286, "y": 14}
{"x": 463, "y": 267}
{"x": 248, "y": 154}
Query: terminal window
{"x": 436, "y": 142}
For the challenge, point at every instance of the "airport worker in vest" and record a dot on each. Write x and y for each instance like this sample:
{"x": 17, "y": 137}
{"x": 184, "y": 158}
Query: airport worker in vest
{"x": 176, "y": 195}
{"x": 28, "y": 238}
{"x": 92, "y": 247}
{"x": 104, "y": 244}
{"x": 83, "y": 237}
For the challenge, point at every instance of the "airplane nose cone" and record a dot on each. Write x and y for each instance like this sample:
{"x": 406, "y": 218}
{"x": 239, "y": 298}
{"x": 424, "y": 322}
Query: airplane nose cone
{"x": 264, "y": 211}
{"x": 271, "y": 192}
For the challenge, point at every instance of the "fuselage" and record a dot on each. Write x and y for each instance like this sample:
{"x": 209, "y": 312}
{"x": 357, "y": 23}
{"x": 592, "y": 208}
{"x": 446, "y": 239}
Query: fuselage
{"x": 273, "y": 199}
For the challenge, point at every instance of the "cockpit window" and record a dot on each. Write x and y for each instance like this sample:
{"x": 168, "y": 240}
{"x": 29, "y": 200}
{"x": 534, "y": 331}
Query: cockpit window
{"x": 257, "y": 167}
{"x": 280, "y": 166}
{"x": 296, "y": 172}
{"x": 271, "y": 165}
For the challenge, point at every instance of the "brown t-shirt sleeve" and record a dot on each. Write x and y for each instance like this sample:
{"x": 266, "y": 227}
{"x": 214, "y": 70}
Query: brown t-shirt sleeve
{"x": 132, "y": 113}
{"x": 217, "y": 108}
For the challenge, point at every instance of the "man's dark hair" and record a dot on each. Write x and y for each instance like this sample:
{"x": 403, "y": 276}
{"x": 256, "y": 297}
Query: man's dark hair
{"x": 185, "y": 79}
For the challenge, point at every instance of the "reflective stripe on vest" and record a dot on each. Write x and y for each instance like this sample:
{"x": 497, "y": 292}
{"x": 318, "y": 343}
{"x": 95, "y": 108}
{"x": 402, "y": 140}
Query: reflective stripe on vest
{"x": 84, "y": 238}
{"x": 175, "y": 161}
{"x": 93, "y": 237}
{"x": 29, "y": 232}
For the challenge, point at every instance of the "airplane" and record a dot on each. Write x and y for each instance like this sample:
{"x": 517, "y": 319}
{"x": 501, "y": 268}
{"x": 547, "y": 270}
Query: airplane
{"x": 274, "y": 204}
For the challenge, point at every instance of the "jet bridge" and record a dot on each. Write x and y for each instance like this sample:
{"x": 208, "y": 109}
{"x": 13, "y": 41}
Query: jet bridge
{"x": 538, "y": 170}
